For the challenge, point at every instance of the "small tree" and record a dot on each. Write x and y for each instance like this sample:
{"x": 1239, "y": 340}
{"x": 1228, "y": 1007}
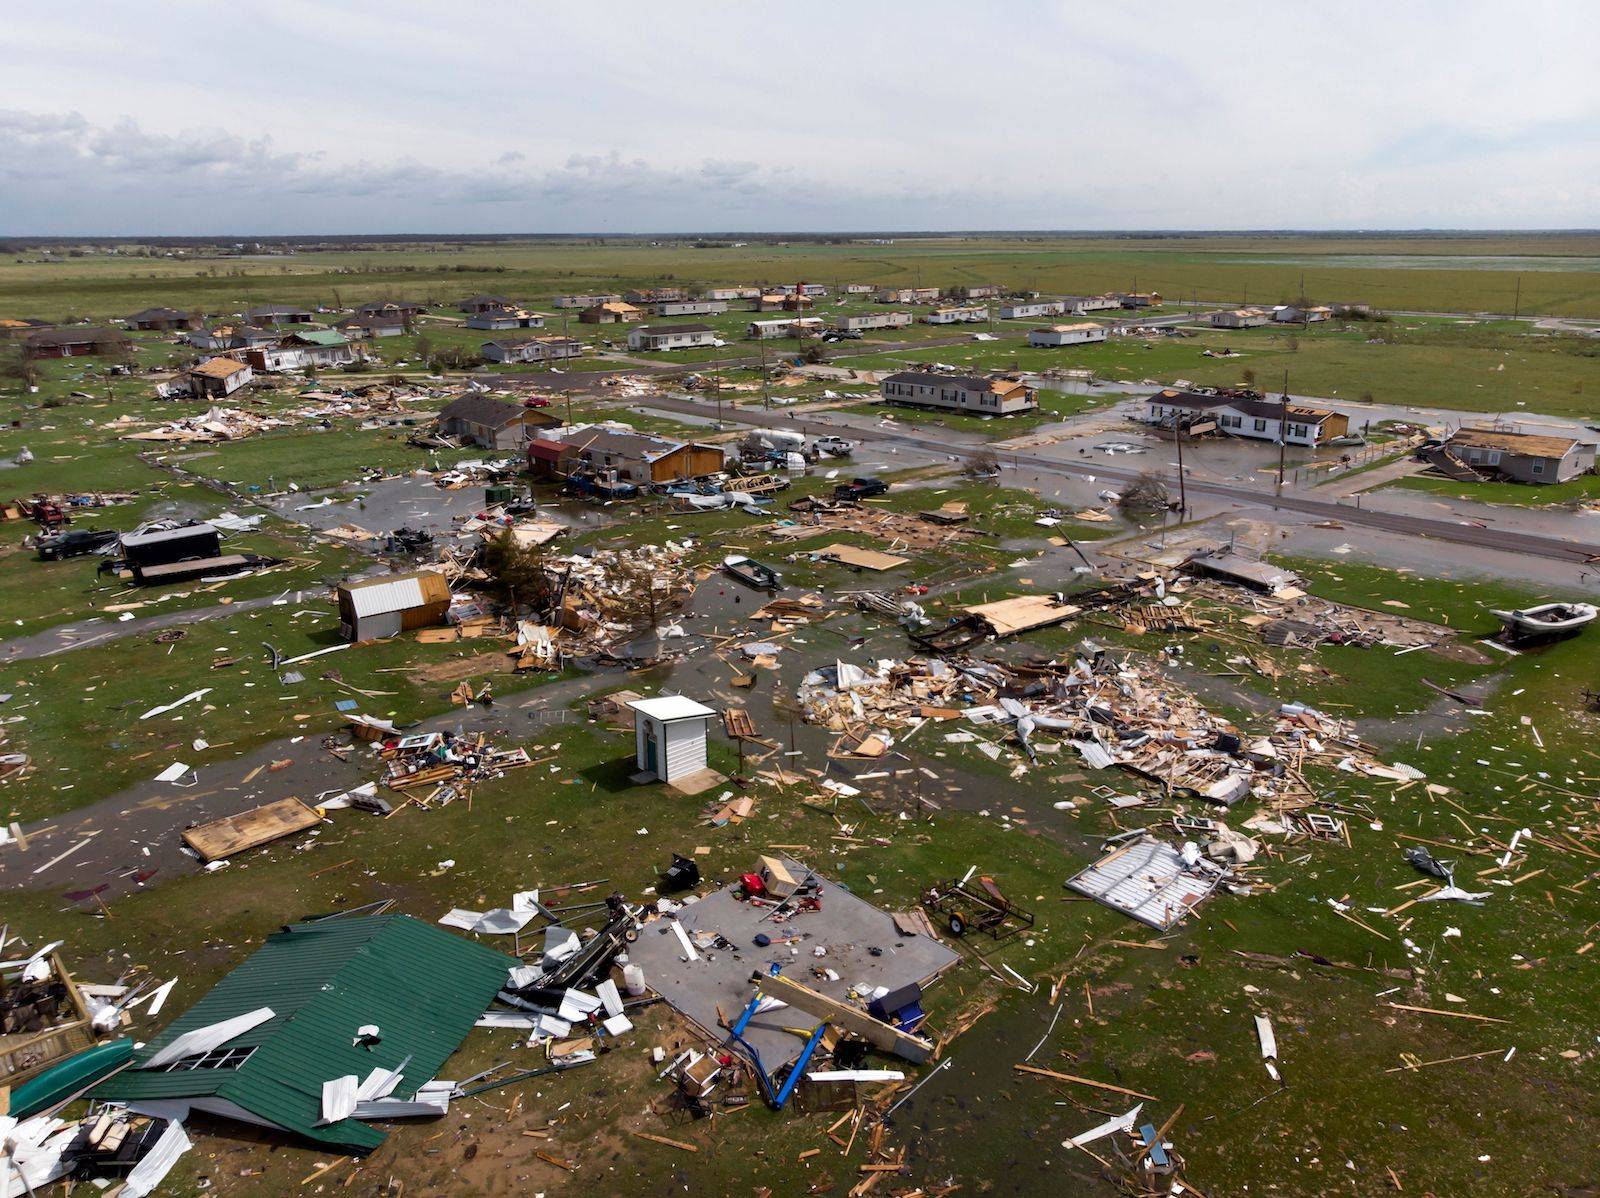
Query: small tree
{"x": 19, "y": 367}
{"x": 1248, "y": 377}
{"x": 517, "y": 573}
{"x": 1147, "y": 493}
{"x": 983, "y": 463}
{"x": 641, "y": 595}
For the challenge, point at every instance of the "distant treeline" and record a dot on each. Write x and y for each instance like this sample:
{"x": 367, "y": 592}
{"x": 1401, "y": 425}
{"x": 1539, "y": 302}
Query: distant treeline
{"x": 311, "y": 242}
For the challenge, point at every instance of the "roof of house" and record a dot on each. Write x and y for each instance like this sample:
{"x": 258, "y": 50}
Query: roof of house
{"x": 1070, "y": 328}
{"x": 423, "y": 987}
{"x": 476, "y": 408}
{"x": 158, "y": 314}
{"x": 327, "y": 338}
{"x": 642, "y": 446}
{"x": 1266, "y": 408}
{"x": 659, "y": 330}
{"x": 967, "y": 382}
{"x": 219, "y": 368}
{"x": 76, "y": 335}
{"x": 396, "y": 592}
{"x": 373, "y": 320}
{"x": 1533, "y": 445}
{"x": 667, "y": 708}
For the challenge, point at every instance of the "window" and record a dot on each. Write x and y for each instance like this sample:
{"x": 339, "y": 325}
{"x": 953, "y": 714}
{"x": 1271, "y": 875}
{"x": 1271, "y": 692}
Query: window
{"x": 217, "y": 1058}
{"x": 1261, "y": 426}
{"x": 1538, "y": 466}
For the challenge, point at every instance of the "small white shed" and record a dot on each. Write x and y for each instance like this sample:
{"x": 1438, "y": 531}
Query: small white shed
{"x": 670, "y": 735}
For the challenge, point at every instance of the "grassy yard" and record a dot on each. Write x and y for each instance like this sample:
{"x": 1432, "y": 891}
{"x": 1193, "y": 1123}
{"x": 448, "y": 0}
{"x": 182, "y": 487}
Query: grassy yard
{"x": 1578, "y": 490}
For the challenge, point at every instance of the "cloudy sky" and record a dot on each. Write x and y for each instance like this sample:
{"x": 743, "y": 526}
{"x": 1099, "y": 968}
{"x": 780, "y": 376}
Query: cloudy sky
{"x": 346, "y": 116}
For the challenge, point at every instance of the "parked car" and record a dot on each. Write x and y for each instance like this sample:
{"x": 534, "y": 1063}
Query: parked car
{"x": 74, "y": 542}
{"x": 860, "y": 488}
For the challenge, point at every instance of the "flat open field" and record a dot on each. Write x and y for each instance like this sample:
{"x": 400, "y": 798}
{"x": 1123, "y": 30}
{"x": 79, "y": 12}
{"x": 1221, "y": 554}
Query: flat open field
{"x": 1560, "y": 274}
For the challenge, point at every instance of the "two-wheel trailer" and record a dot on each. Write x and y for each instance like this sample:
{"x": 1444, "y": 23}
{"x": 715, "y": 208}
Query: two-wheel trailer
{"x": 976, "y": 906}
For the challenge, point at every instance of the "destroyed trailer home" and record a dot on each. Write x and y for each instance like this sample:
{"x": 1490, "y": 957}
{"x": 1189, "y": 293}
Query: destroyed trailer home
{"x": 711, "y": 959}
{"x": 330, "y": 1022}
{"x": 1115, "y": 713}
{"x": 1480, "y": 453}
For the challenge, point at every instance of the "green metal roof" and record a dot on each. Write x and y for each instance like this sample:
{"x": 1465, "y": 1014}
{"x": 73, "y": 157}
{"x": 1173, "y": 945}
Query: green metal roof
{"x": 422, "y": 986}
{"x": 320, "y": 337}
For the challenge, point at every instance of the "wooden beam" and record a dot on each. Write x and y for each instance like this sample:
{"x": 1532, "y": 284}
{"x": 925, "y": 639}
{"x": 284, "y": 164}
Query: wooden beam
{"x": 1084, "y": 1081}
{"x": 852, "y": 1019}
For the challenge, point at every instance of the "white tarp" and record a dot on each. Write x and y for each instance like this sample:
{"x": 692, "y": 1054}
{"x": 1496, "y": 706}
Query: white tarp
{"x": 338, "y": 1098}
{"x": 157, "y": 1163}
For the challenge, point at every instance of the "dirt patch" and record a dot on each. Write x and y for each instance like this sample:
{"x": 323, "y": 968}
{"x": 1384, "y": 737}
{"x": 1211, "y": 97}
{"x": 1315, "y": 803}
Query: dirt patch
{"x": 458, "y": 669}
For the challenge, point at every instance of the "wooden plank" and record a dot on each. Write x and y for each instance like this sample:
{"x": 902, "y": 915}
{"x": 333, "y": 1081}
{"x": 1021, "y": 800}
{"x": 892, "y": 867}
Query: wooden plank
{"x": 1453, "y": 1014}
{"x": 247, "y": 830}
{"x": 1084, "y": 1081}
{"x": 645, "y": 1135}
{"x": 852, "y": 1019}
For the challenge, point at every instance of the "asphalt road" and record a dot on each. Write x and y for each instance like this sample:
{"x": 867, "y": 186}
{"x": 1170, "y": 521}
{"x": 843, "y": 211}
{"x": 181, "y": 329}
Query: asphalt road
{"x": 1507, "y": 540}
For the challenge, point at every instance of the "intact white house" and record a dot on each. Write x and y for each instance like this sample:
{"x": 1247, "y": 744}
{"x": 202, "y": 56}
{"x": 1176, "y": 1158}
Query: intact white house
{"x": 531, "y": 349}
{"x": 587, "y": 301}
{"x": 1239, "y": 318}
{"x": 874, "y": 320}
{"x": 669, "y": 736}
{"x": 1067, "y": 334}
{"x": 671, "y": 336}
{"x": 1295, "y": 314}
{"x": 1031, "y": 309}
{"x": 689, "y": 307}
{"x": 1082, "y": 305}
{"x": 960, "y": 314}
{"x": 958, "y": 393}
{"x": 492, "y": 319}
{"x": 794, "y": 326}
{"x": 1255, "y": 419}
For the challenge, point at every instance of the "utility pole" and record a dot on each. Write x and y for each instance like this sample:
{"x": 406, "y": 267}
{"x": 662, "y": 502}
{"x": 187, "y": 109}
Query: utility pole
{"x": 1183, "y": 497}
{"x": 1516, "y": 306}
{"x": 1283, "y": 434}
{"x": 766, "y": 394}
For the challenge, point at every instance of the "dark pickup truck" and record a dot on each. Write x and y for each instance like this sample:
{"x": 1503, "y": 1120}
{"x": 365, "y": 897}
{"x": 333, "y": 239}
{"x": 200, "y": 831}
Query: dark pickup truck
{"x": 73, "y": 543}
{"x": 860, "y": 488}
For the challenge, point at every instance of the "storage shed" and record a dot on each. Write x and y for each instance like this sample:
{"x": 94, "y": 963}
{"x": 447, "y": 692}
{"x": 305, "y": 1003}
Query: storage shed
{"x": 670, "y": 735}
{"x": 392, "y": 604}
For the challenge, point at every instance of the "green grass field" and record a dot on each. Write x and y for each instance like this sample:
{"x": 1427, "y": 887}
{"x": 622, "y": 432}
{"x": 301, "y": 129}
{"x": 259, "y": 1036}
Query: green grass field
{"x": 1453, "y": 274}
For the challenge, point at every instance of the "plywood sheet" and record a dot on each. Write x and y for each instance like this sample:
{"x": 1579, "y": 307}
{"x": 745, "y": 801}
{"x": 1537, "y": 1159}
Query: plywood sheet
{"x": 261, "y": 825}
{"x": 866, "y": 559}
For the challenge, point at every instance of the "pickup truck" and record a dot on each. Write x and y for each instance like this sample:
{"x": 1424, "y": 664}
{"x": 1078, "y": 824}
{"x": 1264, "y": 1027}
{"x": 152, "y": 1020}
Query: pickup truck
{"x": 860, "y": 488}
{"x": 74, "y": 542}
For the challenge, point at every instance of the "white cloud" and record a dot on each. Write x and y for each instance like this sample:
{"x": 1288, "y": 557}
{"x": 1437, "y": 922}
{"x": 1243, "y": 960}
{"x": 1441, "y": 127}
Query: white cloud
{"x": 400, "y": 115}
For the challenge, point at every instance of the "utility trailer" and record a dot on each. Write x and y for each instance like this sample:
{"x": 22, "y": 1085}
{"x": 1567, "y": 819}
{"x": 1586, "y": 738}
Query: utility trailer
{"x": 978, "y": 905}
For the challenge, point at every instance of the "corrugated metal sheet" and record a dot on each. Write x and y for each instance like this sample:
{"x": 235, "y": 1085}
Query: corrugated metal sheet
{"x": 422, "y": 986}
{"x": 381, "y": 597}
{"x": 1146, "y": 880}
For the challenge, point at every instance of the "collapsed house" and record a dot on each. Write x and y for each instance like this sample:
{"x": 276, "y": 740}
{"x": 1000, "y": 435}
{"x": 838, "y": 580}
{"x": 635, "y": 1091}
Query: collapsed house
{"x": 320, "y": 1028}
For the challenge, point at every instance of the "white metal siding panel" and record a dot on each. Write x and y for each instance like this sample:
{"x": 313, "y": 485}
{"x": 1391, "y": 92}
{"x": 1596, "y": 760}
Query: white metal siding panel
{"x": 399, "y": 595}
{"x": 685, "y": 748}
